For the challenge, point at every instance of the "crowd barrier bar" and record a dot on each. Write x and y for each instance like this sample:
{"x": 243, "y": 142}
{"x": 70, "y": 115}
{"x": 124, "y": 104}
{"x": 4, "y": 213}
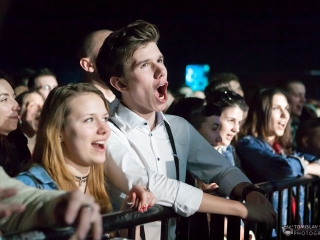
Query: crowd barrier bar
{"x": 130, "y": 218}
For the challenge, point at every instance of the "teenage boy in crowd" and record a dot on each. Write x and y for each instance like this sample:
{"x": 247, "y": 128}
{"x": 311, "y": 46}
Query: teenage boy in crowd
{"x": 139, "y": 148}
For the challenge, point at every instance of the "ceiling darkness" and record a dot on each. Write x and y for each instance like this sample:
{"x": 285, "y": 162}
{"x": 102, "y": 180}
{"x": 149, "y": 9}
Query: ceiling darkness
{"x": 260, "y": 41}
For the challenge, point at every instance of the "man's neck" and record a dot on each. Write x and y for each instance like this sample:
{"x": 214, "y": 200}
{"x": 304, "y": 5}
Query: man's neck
{"x": 108, "y": 94}
{"x": 150, "y": 117}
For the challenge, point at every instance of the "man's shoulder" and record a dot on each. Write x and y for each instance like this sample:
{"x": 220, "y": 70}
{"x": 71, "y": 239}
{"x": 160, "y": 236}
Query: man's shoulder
{"x": 172, "y": 119}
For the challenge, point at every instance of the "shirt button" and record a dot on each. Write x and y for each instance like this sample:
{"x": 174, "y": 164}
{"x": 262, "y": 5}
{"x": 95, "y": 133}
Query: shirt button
{"x": 145, "y": 123}
{"x": 158, "y": 159}
{"x": 151, "y": 134}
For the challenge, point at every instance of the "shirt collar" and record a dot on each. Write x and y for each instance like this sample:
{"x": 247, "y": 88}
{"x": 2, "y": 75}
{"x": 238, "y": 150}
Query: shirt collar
{"x": 132, "y": 120}
{"x": 41, "y": 174}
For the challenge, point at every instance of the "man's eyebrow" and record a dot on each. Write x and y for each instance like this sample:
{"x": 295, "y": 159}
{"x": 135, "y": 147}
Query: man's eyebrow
{"x": 144, "y": 61}
{"x": 140, "y": 62}
{"x": 4, "y": 94}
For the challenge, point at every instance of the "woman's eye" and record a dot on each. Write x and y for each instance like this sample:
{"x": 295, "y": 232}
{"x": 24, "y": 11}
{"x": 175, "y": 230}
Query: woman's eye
{"x": 4, "y": 100}
{"x": 89, "y": 120}
{"x": 106, "y": 119}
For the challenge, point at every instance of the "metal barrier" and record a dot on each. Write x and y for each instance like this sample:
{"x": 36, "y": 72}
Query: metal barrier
{"x": 128, "y": 219}
{"x": 311, "y": 186}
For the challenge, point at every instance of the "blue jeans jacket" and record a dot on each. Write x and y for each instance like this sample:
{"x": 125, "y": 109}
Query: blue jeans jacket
{"x": 37, "y": 177}
{"x": 262, "y": 164}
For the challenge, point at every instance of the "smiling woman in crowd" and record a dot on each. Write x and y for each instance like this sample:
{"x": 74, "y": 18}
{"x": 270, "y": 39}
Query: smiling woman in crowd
{"x": 232, "y": 107}
{"x": 13, "y": 144}
{"x": 70, "y": 146}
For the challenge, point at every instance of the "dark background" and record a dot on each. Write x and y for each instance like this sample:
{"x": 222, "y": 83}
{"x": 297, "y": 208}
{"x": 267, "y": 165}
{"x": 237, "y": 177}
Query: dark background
{"x": 263, "y": 42}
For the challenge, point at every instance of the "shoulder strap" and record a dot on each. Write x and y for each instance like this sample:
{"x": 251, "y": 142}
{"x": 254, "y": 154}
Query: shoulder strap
{"x": 110, "y": 120}
{"x": 175, "y": 155}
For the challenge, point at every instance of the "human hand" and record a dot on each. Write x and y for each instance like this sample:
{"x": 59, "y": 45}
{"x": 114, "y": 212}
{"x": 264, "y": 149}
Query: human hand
{"x": 206, "y": 187}
{"x": 6, "y": 209}
{"x": 260, "y": 210}
{"x": 81, "y": 210}
{"x": 139, "y": 197}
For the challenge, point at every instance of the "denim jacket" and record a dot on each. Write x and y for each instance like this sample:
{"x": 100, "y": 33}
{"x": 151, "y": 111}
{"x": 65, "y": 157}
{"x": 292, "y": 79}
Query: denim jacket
{"x": 261, "y": 164}
{"x": 37, "y": 177}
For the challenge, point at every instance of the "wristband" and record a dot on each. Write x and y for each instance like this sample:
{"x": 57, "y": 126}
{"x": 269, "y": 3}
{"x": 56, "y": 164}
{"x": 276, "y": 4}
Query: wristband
{"x": 251, "y": 188}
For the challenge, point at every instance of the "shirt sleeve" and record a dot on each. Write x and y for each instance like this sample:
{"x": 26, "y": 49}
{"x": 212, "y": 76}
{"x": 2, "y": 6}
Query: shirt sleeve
{"x": 204, "y": 161}
{"x": 39, "y": 206}
{"x": 124, "y": 171}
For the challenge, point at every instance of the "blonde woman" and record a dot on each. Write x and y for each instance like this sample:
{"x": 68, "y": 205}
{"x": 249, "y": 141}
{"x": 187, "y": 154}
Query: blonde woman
{"x": 70, "y": 146}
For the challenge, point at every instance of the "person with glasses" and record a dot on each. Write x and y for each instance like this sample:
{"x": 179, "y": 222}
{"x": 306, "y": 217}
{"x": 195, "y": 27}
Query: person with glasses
{"x": 43, "y": 82}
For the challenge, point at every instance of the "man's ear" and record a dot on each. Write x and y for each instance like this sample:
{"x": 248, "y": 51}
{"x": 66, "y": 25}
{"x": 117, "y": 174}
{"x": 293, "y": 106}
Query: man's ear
{"x": 118, "y": 84}
{"x": 86, "y": 64}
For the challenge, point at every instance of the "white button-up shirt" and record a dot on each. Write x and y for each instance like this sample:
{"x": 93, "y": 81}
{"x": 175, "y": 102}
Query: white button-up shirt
{"x": 136, "y": 155}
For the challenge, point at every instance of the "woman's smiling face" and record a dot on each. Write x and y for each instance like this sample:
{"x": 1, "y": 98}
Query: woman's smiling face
{"x": 85, "y": 131}
{"x": 230, "y": 120}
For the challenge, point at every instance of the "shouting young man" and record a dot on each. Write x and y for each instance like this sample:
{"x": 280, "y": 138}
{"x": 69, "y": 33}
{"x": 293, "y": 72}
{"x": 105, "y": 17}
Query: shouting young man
{"x": 150, "y": 148}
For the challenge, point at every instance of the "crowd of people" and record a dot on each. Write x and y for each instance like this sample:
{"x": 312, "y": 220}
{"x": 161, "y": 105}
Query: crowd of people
{"x": 111, "y": 141}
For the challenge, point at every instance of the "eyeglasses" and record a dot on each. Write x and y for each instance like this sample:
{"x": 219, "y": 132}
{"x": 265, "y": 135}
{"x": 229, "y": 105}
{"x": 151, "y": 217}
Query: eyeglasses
{"x": 231, "y": 95}
{"x": 46, "y": 87}
{"x": 224, "y": 95}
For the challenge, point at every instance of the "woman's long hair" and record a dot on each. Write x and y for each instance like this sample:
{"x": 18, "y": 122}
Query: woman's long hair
{"x": 259, "y": 116}
{"x": 48, "y": 151}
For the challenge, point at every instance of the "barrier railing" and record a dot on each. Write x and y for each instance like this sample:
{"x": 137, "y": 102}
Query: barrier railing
{"x": 128, "y": 219}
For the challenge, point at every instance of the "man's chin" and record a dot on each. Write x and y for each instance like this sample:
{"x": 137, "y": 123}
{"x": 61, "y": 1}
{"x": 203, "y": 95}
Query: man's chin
{"x": 161, "y": 107}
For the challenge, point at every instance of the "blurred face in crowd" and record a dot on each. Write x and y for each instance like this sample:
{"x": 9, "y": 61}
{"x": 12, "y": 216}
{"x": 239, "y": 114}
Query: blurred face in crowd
{"x": 280, "y": 116}
{"x": 8, "y": 108}
{"x": 236, "y": 87}
{"x": 86, "y": 131}
{"x": 31, "y": 109}
{"x": 230, "y": 121}
{"x": 210, "y": 130}
{"x": 296, "y": 98}
{"x": 44, "y": 84}
{"x": 312, "y": 142}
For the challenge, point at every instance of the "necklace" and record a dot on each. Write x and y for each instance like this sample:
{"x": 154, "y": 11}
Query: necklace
{"x": 81, "y": 179}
